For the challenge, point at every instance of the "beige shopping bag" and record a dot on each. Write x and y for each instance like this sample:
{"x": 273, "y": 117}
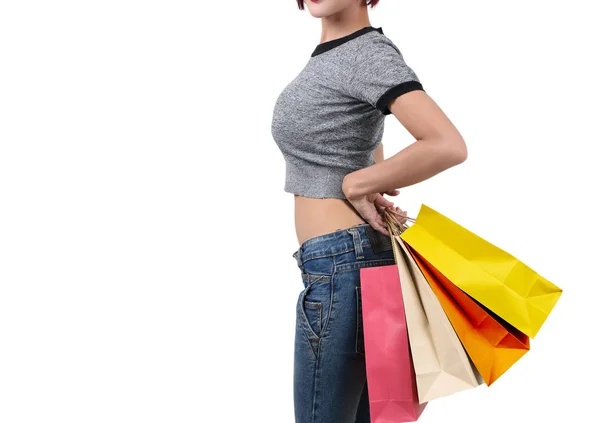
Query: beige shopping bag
{"x": 442, "y": 366}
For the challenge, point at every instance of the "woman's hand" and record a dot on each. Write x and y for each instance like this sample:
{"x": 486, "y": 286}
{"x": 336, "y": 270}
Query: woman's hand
{"x": 368, "y": 207}
{"x": 371, "y": 207}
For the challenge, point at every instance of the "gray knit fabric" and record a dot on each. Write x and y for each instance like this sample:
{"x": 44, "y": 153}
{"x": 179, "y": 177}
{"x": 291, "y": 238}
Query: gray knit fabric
{"x": 329, "y": 119}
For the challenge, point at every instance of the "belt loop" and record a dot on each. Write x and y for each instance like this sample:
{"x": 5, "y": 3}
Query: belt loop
{"x": 356, "y": 238}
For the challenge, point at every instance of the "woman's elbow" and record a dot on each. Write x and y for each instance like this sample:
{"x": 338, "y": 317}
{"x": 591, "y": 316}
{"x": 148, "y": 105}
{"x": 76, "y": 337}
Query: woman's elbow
{"x": 456, "y": 150}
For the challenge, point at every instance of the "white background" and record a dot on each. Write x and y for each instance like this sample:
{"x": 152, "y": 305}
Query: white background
{"x": 145, "y": 238}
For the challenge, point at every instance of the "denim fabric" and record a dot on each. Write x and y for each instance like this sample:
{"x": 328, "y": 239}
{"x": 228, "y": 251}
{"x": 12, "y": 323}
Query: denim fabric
{"x": 329, "y": 356}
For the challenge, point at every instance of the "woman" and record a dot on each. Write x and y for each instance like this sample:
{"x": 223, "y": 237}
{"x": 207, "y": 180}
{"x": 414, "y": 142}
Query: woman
{"x": 328, "y": 123}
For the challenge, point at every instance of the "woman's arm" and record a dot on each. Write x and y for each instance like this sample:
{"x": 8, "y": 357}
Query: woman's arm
{"x": 379, "y": 153}
{"x": 438, "y": 146}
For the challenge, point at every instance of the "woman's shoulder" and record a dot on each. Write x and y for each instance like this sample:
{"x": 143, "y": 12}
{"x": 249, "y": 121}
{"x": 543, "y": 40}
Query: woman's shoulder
{"x": 378, "y": 72}
{"x": 373, "y": 44}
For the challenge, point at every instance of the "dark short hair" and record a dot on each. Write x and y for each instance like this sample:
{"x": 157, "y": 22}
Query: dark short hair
{"x": 371, "y": 3}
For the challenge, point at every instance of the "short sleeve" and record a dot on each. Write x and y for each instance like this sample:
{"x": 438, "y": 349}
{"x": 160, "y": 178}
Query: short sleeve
{"x": 379, "y": 74}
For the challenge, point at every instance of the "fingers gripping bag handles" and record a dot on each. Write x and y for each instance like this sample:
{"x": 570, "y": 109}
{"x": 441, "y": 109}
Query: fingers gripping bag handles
{"x": 390, "y": 374}
{"x": 442, "y": 366}
{"x": 494, "y": 278}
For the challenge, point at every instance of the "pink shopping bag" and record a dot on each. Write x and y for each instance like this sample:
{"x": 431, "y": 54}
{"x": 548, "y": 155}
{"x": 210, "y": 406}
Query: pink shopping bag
{"x": 391, "y": 381}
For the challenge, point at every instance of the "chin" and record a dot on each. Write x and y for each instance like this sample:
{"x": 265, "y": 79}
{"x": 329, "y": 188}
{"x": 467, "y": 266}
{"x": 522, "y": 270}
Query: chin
{"x": 324, "y": 8}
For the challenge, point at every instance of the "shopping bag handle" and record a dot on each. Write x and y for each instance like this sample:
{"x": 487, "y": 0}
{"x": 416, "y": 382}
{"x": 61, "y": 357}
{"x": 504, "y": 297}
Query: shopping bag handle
{"x": 390, "y": 214}
{"x": 394, "y": 213}
{"x": 395, "y": 228}
{"x": 393, "y": 223}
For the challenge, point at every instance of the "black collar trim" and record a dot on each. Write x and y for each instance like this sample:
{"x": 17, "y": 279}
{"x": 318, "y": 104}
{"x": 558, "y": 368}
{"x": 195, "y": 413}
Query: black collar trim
{"x": 328, "y": 45}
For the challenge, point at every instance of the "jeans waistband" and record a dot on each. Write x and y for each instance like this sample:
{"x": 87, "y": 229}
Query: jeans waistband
{"x": 357, "y": 237}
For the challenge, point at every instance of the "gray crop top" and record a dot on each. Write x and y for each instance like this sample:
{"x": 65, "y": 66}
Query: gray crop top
{"x": 329, "y": 119}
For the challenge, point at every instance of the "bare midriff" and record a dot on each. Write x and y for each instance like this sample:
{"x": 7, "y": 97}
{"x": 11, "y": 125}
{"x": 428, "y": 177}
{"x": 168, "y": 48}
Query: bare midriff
{"x": 318, "y": 216}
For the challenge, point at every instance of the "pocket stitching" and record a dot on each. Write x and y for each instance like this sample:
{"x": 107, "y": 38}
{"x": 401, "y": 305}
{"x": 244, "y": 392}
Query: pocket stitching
{"x": 312, "y": 279}
{"x": 329, "y": 280}
{"x": 319, "y": 308}
{"x": 314, "y": 306}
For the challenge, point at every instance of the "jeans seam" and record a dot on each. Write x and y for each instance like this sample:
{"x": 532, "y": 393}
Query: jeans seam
{"x": 327, "y": 255}
{"x": 348, "y": 267}
{"x": 332, "y": 293}
{"x": 316, "y": 380}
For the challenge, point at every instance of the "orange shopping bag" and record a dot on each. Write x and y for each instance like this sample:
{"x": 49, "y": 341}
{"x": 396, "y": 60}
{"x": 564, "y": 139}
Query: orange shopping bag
{"x": 492, "y": 344}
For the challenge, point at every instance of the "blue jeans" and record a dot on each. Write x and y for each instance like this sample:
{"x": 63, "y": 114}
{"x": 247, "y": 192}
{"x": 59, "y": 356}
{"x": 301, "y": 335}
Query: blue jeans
{"x": 329, "y": 357}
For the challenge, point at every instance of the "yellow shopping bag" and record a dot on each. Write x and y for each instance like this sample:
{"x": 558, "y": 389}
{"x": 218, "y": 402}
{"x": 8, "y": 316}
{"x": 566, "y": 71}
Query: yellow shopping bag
{"x": 493, "y": 277}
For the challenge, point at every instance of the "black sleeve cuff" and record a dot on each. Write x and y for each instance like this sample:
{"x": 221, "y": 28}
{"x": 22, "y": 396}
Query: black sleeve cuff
{"x": 396, "y": 91}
